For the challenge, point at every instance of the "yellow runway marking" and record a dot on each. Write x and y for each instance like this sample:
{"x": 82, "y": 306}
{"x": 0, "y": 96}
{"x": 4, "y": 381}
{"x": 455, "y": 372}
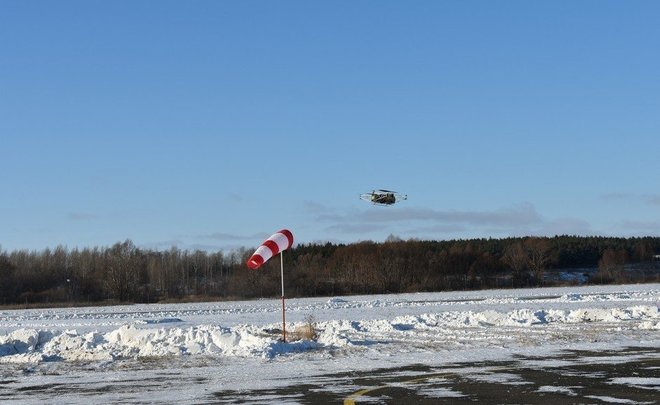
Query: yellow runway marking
{"x": 350, "y": 400}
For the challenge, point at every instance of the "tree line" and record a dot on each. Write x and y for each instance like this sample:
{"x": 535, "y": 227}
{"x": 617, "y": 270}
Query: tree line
{"x": 126, "y": 273}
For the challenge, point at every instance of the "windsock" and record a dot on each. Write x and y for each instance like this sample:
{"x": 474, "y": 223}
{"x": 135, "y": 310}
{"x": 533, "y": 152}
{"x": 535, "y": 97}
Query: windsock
{"x": 278, "y": 242}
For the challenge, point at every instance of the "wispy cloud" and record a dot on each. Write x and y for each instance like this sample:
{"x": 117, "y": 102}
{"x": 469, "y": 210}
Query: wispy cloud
{"x": 425, "y": 221}
{"x": 163, "y": 244}
{"x": 235, "y": 198}
{"x": 437, "y": 229}
{"x": 81, "y": 216}
{"x": 215, "y": 241}
{"x": 222, "y": 236}
{"x": 190, "y": 246}
{"x": 650, "y": 199}
{"x": 640, "y": 227}
{"x": 312, "y": 207}
{"x": 522, "y": 214}
{"x": 618, "y": 196}
{"x": 355, "y": 228}
{"x": 653, "y": 199}
{"x": 517, "y": 215}
{"x": 565, "y": 226}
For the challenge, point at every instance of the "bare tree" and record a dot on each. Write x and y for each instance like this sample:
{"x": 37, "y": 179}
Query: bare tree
{"x": 610, "y": 266}
{"x": 122, "y": 275}
{"x": 7, "y": 285}
{"x": 538, "y": 251}
{"x": 515, "y": 257}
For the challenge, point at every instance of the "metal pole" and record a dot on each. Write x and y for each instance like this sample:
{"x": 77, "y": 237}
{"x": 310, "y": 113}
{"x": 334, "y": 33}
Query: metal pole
{"x": 283, "y": 316}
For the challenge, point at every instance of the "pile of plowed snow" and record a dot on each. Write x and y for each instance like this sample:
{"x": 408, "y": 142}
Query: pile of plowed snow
{"x": 437, "y": 329}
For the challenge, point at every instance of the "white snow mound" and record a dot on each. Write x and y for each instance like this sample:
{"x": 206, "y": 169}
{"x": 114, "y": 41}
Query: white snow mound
{"x": 134, "y": 340}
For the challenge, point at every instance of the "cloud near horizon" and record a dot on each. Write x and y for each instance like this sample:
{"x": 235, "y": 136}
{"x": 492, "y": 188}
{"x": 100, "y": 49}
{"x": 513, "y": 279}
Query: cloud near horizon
{"x": 233, "y": 237}
{"x": 522, "y": 214}
{"x": 519, "y": 219}
{"x": 649, "y": 199}
{"x": 648, "y": 228}
{"x": 653, "y": 199}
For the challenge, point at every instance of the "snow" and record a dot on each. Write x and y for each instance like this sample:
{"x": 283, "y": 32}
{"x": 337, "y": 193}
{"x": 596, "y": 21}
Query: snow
{"x": 648, "y": 383}
{"x": 441, "y": 393}
{"x": 563, "y": 390}
{"x": 235, "y": 339}
{"x": 612, "y": 400}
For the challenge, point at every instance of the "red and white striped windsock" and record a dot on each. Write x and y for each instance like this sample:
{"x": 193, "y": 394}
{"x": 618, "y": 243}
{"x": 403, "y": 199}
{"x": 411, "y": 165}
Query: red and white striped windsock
{"x": 278, "y": 242}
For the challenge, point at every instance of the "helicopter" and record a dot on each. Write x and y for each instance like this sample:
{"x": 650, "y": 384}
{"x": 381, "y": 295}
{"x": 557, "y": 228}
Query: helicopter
{"x": 383, "y": 197}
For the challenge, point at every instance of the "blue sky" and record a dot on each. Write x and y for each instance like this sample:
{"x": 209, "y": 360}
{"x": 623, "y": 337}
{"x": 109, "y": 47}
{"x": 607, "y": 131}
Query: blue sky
{"x": 212, "y": 124}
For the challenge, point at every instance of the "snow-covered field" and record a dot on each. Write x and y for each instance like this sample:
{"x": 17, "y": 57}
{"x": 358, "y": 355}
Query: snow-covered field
{"x": 226, "y": 345}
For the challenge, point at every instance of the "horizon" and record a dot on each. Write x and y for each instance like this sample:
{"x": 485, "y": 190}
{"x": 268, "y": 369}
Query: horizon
{"x": 247, "y": 249}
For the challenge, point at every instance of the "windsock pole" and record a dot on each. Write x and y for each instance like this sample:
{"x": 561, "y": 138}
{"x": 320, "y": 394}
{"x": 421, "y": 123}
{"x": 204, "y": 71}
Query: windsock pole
{"x": 277, "y": 243}
{"x": 283, "y": 316}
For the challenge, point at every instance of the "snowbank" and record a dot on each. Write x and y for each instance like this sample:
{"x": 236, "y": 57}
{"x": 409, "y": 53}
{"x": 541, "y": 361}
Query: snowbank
{"x": 439, "y": 330}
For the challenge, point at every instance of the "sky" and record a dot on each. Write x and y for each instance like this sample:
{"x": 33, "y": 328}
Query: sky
{"x": 213, "y": 124}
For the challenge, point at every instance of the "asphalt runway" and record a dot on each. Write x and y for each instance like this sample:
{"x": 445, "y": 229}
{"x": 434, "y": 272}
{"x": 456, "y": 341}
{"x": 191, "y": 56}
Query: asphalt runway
{"x": 630, "y": 376}
{"x": 627, "y": 377}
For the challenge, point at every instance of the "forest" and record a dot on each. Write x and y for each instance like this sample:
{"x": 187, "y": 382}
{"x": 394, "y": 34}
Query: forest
{"x": 125, "y": 273}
